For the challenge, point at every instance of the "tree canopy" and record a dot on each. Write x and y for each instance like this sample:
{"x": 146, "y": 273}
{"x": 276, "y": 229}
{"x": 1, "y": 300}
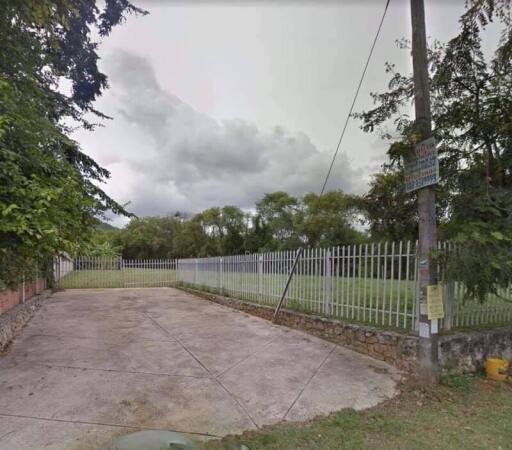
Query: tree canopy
{"x": 49, "y": 193}
{"x": 471, "y": 96}
{"x": 279, "y": 221}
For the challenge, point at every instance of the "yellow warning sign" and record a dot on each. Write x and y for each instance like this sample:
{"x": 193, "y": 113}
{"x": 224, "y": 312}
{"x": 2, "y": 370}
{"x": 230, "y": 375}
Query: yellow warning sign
{"x": 435, "y": 307}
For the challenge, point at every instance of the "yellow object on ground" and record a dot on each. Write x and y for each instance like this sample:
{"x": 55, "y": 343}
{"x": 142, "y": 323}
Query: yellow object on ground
{"x": 496, "y": 369}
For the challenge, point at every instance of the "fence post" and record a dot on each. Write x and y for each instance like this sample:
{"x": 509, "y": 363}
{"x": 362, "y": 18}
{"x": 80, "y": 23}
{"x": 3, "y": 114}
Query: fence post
{"x": 221, "y": 275}
{"x": 327, "y": 282}
{"x": 56, "y": 270}
{"x": 196, "y": 270}
{"x": 121, "y": 268}
{"x": 260, "y": 278}
{"x": 448, "y": 307}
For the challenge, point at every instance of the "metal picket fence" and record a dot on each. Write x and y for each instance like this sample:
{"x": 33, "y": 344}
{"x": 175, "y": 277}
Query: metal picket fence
{"x": 113, "y": 272}
{"x": 373, "y": 283}
{"x": 367, "y": 283}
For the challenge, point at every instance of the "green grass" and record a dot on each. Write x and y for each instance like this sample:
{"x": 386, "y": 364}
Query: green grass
{"x": 362, "y": 300}
{"x": 471, "y": 414}
{"x": 118, "y": 278}
{"x": 379, "y": 302}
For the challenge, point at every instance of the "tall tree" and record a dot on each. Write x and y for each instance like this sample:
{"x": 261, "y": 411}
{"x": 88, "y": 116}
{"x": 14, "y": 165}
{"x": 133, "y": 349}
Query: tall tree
{"x": 49, "y": 194}
{"x": 390, "y": 212}
{"x": 149, "y": 237}
{"x": 471, "y": 98}
{"x": 277, "y": 212}
{"x": 234, "y": 223}
{"x": 326, "y": 220}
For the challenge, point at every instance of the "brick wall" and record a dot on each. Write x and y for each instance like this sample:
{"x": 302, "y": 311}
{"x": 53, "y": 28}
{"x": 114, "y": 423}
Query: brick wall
{"x": 11, "y": 298}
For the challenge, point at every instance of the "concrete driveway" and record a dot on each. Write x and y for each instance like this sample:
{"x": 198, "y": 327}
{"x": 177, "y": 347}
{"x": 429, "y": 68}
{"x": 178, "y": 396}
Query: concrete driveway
{"x": 95, "y": 364}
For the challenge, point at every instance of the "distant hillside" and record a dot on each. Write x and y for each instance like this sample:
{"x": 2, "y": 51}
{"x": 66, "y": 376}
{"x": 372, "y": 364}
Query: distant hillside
{"x": 103, "y": 226}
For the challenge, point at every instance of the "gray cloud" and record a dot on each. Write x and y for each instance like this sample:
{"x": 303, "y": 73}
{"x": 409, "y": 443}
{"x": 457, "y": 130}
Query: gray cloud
{"x": 190, "y": 161}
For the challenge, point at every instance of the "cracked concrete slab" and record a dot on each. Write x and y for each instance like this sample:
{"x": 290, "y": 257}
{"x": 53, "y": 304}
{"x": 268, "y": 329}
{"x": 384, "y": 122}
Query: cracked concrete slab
{"x": 270, "y": 382}
{"x": 329, "y": 390}
{"x": 130, "y": 399}
{"x": 95, "y": 364}
{"x": 159, "y": 357}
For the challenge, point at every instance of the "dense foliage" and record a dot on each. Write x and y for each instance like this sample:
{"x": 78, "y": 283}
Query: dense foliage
{"x": 471, "y": 95}
{"x": 49, "y": 194}
{"x": 280, "y": 222}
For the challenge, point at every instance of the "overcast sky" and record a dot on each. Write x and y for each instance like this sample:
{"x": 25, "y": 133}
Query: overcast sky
{"x": 217, "y": 103}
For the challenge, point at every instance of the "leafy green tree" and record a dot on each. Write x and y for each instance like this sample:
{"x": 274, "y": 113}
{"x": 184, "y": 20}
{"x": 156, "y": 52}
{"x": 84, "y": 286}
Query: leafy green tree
{"x": 104, "y": 241}
{"x": 471, "y": 97}
{"x": 212, "y": 226}
{"x": 277, "y": 212}
{"x": 49, "y": 194}
{"x": 282, "y": 222}
{"x": 190, "y": 241}
{"x": 258, "y": 236}
{"x": 225, "y": 230}
{"x": 390, "y": 212}
{"x": 149, "y": 237}
{"x": 326, "y": 221}
{"x": 234, "y": 223}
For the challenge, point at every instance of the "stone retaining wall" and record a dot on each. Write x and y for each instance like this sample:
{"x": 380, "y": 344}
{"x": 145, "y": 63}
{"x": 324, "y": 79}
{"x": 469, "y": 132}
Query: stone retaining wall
{"x": 467, "y": 352}
{"x": 14, "y": 319}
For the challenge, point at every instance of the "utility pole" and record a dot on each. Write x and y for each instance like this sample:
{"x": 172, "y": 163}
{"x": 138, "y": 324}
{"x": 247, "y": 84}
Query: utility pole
{"x": 428, "y": 340}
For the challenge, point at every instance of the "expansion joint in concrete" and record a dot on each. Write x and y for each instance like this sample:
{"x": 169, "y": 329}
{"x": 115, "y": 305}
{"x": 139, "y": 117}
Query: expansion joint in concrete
{"x": 105, "y": 424}
{"x": 135, "y": 372}
{"x": 178, "y": 341}
{"x": 309, "y": 381}
{"x": 263, "y": 347}
{"x": 231, "y": 395}
{"x": 235, "y": 399}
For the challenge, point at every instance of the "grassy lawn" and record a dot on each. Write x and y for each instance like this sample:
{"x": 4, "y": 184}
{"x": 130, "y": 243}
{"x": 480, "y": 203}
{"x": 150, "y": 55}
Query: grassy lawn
{"x": 118, "y": 278}
{"x": 462, "y": 413}
{"x": 366, "y": 300}
{"x": 382, "y": 302}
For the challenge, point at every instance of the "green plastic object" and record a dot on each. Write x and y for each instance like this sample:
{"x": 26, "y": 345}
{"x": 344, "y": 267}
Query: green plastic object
{"x": 153, "y": 440}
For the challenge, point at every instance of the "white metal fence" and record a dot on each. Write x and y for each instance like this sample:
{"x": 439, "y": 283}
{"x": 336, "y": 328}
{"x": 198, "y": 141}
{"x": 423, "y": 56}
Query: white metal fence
{"x": 373, "y": 283}
{"x": 367, "y": 283}
{"x": 114, "y": 272}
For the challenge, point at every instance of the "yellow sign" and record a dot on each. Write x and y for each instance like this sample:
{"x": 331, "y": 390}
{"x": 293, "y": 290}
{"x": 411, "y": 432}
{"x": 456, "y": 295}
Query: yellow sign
{"x": 435, "y": 307}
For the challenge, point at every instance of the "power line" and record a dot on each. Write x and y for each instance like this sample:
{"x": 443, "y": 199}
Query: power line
{"x": 301, "y": 249}
{"x": 355, "y": 98}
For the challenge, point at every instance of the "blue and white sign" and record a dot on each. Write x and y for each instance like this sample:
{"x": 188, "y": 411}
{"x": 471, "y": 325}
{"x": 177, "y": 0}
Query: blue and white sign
{"x": 422, "y": 168}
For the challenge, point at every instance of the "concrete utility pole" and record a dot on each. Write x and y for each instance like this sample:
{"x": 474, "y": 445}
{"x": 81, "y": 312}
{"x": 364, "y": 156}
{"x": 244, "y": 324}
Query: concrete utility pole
{"x": 428, "y": 343}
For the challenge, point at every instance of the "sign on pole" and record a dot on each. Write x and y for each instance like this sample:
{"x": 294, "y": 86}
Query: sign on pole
{"x": 422, "y": 167}
{"x": 435, "y": 306}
